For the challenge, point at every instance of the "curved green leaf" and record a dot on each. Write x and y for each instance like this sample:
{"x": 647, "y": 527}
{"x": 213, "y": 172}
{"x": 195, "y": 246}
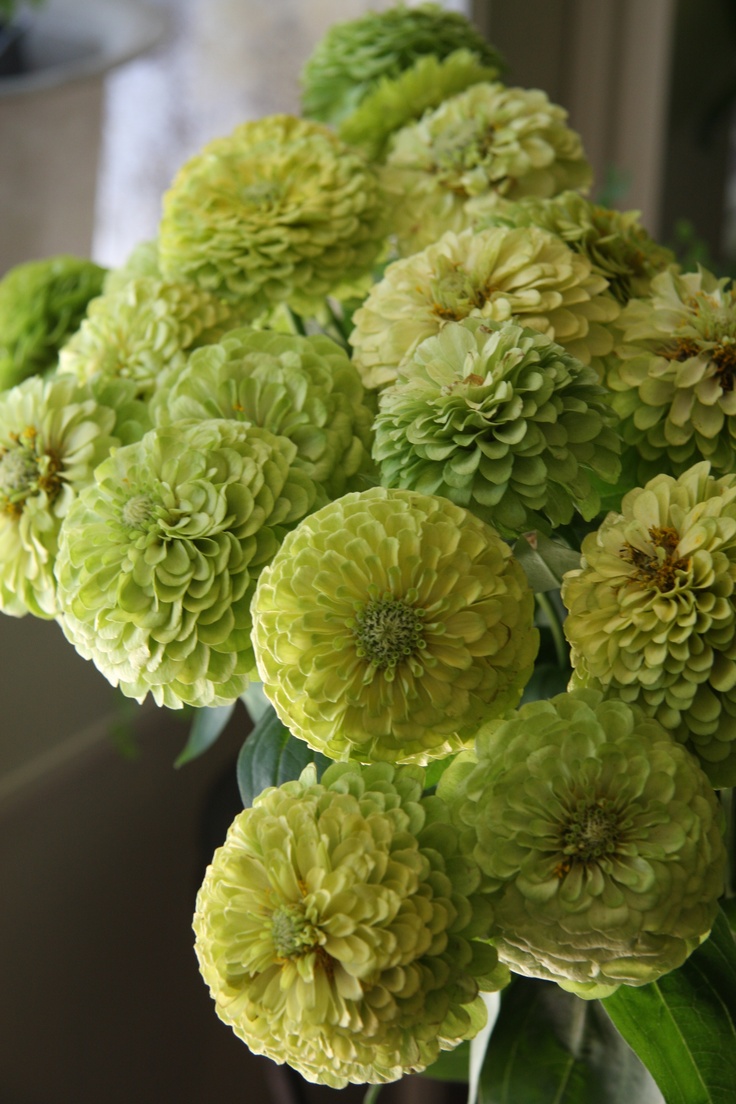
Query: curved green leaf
{"x": 271, "y": 756}
{"x": 207, "y": 725}
{"x": 683, "y": 1027}
{"x": 452, "y": 1065}
{"x": 545, "y": 561}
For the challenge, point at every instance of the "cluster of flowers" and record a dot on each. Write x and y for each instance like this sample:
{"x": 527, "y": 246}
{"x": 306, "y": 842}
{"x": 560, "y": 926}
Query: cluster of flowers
{"x": 292, "y": 440}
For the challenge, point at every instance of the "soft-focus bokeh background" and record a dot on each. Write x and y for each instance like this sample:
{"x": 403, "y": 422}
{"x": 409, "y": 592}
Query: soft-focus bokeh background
{"x": 101, "y": 854}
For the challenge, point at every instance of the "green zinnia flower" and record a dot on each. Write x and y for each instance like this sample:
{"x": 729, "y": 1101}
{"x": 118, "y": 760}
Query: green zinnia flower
{"x": 53, "y": 434}
{"x": 599, "y": 838}
{"x": 146, "y": 327}
{"x": 500, "y": 420}
{"x": 158, "y": 560}
{"x": 41, "y": 305}
{"x": 396, "y": 101}
{"x": 279, "y": 211}
{"x": 673, "y": 373}
{"x": 489, "y": 139}
{"x": 390, "y": 625}
{"x": 303, "y": 388}
{"x": 614, "y": 242}
{"x": 336, "y": 927}
{"x": 498, "y": 274}
{"x": 653, "y": 614}
{"x": 351, "y": 60}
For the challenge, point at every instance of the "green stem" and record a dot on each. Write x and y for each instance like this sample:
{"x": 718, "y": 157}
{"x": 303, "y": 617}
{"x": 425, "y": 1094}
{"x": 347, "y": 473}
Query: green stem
{"x": 372, "y": 1095}
{"x": 339, "y": 324}
{"x": 547, "y": 607}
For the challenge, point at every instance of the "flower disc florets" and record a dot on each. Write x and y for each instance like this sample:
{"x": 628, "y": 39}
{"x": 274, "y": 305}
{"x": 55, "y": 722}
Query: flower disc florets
{"x": 390, "y": 625}
{"x": 614, "y": 242}
{"x": 142, "y": 329}
{"x": 279, "y": 211}
{"x": 487, "y": 140}
{"x": 653, "y": 613}
{"x": 336, "y": 927}
{"x": 41, "y": 305}
{"x": 303, "y": 388}
{"x": 53, "y": 434}
{"x": 673, "y": 373}
{"x": 498, "y": 274}
{"x": 500, "y": 420}
{"x": 353, "y": 57}
{"x": 159, "y": 559}
{"x": 599, "y": 839}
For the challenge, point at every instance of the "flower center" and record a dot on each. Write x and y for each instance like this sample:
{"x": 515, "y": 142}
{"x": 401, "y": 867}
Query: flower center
{"x": 292, "y": 934}
{"x": 137, "y": 510}
{"x": 387, "y": 631}
{"x": 453, "y": 293}
{"x": 722, "y": 353}
{"x": 658, "y": 568}
{"x": 590, "y": 833}
{"x": 27, "y": 471}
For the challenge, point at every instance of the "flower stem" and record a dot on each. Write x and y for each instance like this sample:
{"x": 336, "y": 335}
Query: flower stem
{"x": 372, "y": 1095}
{"x": 552, "y": 617}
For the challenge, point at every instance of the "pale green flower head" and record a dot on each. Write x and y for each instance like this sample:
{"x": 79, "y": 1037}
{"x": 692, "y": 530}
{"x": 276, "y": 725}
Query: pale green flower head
{"x": 614, "y": 242}
{"x": 489, "y": 140}
{"x": 390, "y": 625}
{"x": 281, "y": 211}
{"x": 159, "y": 558}
{"x": 41, "y": 305}
{"x": 498, "y": 274}
{"x": 502, "y": 421}
{"x": 599, "y": 839}
{"x": 653, "y": 615}
{"x": 143, "y": 261}
{"x": 673, "y": 371}
{"x": 53, "y": 434}
{"x": 355, "y": 57}
{"x": 146, "y": 327}
{"x": 397, "y": 101}
{"x": 336, "y": 928}
{"x": 303, "y": 388}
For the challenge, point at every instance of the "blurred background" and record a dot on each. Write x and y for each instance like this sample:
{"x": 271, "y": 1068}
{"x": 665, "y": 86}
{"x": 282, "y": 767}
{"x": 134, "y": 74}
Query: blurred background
{"x": 102, "y": 843}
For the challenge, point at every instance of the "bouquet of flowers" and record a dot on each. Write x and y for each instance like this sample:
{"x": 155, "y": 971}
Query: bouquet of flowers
{"x": 431, "y": 461}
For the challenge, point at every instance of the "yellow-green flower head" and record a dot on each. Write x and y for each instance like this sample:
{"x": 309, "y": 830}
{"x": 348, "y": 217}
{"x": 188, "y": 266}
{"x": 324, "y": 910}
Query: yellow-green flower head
{"x": 528, "y": 275}
{"x": 53, "y": 434}
{"x": 502, "y": 421}
{"x": 599, "y": 839}
{"x": 336, "y": 928}
{"x": 673, "y": 372}
{"x": 353, "y": 58}
{"x": 146, "y": 327}
{"x": 390, "y": 624}
{"x": 396, "y": 101}
{"x": 653, "y": 615}
{"x": 279, "y": 211}
{"x": 143, "y": 261}
{"x": 159, "y": 558}
{"x": 614, "y": 242}
{"x": 488, "y": 140}
{"x": 41, "y": 305}
{"x": 303, "y": 388}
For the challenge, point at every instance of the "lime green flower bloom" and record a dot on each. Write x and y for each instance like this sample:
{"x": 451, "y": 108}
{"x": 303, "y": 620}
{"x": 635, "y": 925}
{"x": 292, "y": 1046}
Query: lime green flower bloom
{"x": 41, "y": 305}
{"x": 279, "y": 211}
{"x": 353, "y": 58}
{"x": 336, "y": 927}
{"x": 498, "y": 274}
{"x": 500, "y": 420}
{"x": 159, "y": 558}
{"x": 143, "y": 261}
{"x": 146, "y": 327}
{"x": 614, "y": 242}
{"x": 396, "y": 101}
{"x": 303, "y": 388}
{"x": 390, "y": 625}
{"x": 488, "y": 140}
{"x": 673, "y": 373}
{"x": 53, "y": 434}
{"x": 653, "y": 614}
{"x": 599, "y": 839}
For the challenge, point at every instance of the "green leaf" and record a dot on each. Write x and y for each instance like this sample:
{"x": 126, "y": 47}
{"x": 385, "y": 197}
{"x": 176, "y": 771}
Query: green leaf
{"x": 207, "y": 725}
{"x": 550, "y": 1047}
{"x": 271, "y": 756}
{"x": 452, "y": 1065}
{"x": 683, "y": 1026}
{"x": 546, "y": 681}
{"x": 545, "y": 562}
